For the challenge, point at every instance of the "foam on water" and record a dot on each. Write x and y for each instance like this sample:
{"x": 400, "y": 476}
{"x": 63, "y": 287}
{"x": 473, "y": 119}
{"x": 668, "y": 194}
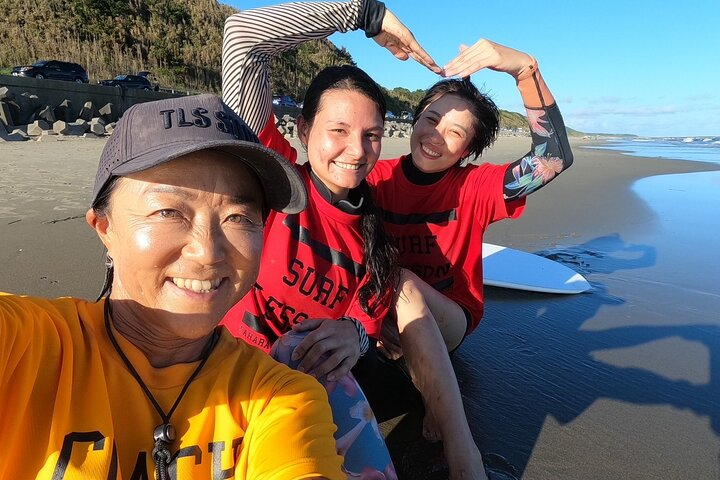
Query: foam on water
{"x": 695, "y": 149}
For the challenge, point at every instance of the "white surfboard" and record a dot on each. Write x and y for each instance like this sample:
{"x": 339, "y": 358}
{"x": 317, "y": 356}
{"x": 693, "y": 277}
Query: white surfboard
{"x": 510, "y": 268}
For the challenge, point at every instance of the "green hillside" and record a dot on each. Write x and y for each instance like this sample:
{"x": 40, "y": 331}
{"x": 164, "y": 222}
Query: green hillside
{"x": 179, "y": 41}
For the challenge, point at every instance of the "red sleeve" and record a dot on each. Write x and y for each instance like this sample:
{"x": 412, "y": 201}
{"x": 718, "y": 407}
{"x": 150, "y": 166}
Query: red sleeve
{"x": 486, "y": 183}
{"x": 271, "y": 138}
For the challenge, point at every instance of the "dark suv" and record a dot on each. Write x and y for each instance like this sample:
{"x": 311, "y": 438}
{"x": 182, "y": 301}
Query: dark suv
{"x": 54, "y": 70}
{"x": 129, "y": 81}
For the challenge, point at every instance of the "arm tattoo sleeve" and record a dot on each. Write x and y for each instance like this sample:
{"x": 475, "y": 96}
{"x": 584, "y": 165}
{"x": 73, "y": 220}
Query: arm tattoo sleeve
{"x": 549, "y": 155}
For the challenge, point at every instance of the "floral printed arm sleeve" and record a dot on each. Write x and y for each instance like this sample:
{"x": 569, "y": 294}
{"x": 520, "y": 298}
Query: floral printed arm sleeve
{"x": 550, "y": 153}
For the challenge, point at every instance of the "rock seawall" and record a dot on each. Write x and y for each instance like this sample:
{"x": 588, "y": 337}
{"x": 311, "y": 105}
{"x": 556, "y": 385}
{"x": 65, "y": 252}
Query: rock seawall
{"x": 45, "y": 109}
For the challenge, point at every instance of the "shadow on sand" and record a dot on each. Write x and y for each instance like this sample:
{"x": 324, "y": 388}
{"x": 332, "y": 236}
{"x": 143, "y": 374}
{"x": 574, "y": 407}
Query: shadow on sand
{"x": 531, "y": 358}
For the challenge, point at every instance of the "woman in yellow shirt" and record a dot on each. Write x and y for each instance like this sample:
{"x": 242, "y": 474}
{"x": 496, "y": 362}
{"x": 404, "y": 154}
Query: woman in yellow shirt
{"x": 142, "y": 383}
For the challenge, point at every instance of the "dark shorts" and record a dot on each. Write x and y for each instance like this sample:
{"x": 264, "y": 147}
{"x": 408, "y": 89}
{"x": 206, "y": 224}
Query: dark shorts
{"x": 468, "y": 325}
{"x": 387, "y": 385}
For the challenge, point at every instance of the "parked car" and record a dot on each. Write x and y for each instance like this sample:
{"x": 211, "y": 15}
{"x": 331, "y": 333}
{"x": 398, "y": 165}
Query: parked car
{"x": 284, "y": 101}
{"x": 54, "y": 70}
{"x": 130, "y": 82}
{"x": 405, "y": 115}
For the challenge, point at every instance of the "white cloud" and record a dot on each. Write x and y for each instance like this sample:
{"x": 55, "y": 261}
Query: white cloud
{"x": 641, "y": 110}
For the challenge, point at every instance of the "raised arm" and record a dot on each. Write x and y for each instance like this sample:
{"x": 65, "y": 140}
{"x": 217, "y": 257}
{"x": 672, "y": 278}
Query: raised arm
{"x": 252, "y": 37}
{"x": 550, "y": 152}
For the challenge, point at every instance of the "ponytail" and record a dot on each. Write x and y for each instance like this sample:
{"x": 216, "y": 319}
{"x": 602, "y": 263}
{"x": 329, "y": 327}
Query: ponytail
{"x": 381, "y": 256}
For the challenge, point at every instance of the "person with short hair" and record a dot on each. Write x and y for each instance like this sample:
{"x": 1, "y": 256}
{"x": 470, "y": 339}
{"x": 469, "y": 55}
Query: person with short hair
{"x": 143, "y": 383}
{"x": 433, "y": 192}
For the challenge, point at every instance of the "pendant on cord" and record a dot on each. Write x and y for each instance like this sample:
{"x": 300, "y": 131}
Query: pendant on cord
{"x": 163, "y": 435}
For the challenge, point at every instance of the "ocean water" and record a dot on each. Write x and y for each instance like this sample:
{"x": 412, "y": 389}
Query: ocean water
{"x": 623, "y": 381}
{"x": 696, "y": 149}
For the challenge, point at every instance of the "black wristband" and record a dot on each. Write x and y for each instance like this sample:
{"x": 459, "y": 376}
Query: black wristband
{"x": 371, "y": 17}
{"x": 362, "y": 334}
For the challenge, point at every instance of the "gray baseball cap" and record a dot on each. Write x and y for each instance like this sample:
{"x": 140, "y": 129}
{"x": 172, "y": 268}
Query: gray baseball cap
{"x": 152, "y": 133}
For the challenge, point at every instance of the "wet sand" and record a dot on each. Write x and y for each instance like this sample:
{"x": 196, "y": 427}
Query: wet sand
{"x": 619, "y": 382}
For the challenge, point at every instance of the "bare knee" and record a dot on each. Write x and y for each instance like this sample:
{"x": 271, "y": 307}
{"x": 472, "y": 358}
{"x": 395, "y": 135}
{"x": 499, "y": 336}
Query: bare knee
{"x": 450, "y": 317}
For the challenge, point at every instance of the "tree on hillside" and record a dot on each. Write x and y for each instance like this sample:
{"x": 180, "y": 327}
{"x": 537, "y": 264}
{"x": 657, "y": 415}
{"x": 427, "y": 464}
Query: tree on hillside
{"x": 292, "y": 71}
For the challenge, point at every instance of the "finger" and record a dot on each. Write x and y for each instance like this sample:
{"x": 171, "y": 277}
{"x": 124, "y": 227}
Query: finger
{"x": 391, "y": 342}
{"x": 393, "y": 45}
{"x": 469, "y": 56}
{"x": 470, "y": 60}
{"x": 463, "y": 52}
{"x": 399, "y": 34}
{"x": 307, "y": 343}
{"x": 421, "y": 56}
{"x": 430, "y": 65}
{"x": 342, "y": 369}
{"x": 324, "y": 366}
{"x": 466, "y": 67}
{"x": 314, "y": 354}
{"x": 329, "y": 365}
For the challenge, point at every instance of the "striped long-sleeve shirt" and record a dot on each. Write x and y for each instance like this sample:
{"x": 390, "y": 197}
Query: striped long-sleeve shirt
{"x": 253, "y": 37}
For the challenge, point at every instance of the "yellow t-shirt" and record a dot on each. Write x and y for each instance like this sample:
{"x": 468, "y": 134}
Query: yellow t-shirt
{"x": 69, "y": 408}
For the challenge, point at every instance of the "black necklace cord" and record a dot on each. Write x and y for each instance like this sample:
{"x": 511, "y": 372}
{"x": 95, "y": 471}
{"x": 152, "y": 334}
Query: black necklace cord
{"x": 164, "y": 434}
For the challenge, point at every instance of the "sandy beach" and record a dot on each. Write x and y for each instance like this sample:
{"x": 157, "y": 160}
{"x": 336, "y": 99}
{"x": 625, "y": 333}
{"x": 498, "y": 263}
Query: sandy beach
{"x": 622, "y": 382}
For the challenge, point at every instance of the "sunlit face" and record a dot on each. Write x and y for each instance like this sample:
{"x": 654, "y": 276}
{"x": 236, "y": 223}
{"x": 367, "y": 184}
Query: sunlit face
{"x": 186, "y": 239}
{"x": 442, "y": 134}
{"x": 343, "y": 142}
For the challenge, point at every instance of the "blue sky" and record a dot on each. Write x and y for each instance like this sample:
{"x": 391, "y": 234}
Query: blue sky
{"x": 649, "y": 68}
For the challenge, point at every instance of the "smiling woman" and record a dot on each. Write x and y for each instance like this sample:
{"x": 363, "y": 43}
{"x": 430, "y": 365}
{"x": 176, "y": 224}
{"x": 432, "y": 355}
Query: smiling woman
{"x": 181, "y": 195}
{"x": 189, "y": 245}
{"x": 345, "y": 145}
